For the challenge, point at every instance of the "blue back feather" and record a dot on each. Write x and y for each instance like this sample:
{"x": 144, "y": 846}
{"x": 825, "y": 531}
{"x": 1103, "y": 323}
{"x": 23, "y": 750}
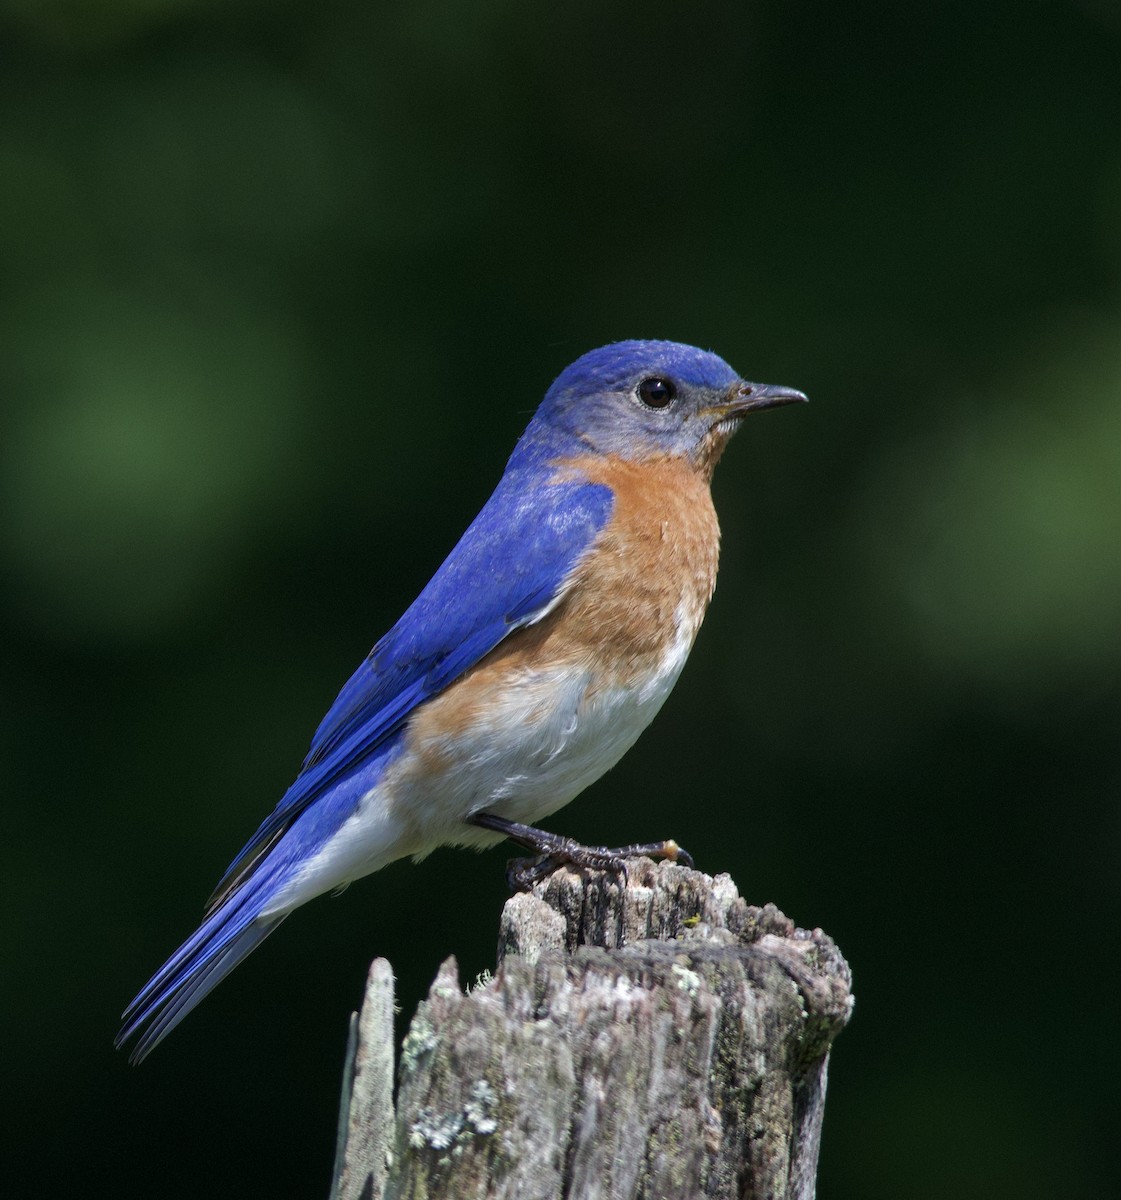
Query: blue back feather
{"x": 506, "y": 571}
{"x": 502, "y": 575}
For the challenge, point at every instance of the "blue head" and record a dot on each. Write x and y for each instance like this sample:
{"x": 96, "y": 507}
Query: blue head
{"x": 641, "y": 400}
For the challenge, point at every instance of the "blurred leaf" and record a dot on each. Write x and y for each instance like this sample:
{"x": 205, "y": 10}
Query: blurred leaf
{"x": 216, "y": 147}
{"x": 1000, "y": 537}
{"x": 84, "y": 24}
{"x": 155, "y": 441}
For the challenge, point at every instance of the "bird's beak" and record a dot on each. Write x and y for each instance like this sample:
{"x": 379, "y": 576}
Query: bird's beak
{"x": 745, "y": 398}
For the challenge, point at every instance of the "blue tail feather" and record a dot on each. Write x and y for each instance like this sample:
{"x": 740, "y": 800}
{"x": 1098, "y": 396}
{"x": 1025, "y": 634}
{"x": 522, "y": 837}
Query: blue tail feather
{"x": 243, "y": 916}
{"x": 230, "y": 933}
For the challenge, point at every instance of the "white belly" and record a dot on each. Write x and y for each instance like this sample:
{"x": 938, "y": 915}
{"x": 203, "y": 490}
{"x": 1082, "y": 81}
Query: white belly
{"x": 541, "y": 744}
{"x": 540, "y": 740}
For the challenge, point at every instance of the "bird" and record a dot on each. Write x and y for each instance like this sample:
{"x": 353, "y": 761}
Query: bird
{"x": 530, "y": 663}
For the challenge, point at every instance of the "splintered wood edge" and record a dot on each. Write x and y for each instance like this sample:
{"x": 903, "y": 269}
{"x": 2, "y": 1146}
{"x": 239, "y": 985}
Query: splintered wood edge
{"x": 663, "y": 917}
{"x": 363, "y": 1151}
{"x": 663, "y": 901}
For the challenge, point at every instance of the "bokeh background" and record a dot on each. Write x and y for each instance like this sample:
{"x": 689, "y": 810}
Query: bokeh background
{"x": 281, "y": 284}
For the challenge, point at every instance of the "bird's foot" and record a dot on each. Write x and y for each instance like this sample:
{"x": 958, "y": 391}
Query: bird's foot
{"x": 552, "y": 851}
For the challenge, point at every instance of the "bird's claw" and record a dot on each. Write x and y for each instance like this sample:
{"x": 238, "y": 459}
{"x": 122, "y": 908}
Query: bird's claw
{"x": 523, "y": 873}
{"x": 553, "y": 851}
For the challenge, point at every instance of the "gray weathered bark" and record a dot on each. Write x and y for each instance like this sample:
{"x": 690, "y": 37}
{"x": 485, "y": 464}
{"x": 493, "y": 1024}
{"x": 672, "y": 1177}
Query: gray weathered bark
{"x": 660, "y": 1039}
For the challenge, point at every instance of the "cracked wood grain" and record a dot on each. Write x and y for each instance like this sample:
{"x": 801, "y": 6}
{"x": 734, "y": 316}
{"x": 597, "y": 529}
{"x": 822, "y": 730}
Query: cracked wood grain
{"x": 656, "y": 1040}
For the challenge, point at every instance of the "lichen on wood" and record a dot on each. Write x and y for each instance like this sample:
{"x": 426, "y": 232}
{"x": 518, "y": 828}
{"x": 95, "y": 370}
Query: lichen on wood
{"x": 653, "y": 1036}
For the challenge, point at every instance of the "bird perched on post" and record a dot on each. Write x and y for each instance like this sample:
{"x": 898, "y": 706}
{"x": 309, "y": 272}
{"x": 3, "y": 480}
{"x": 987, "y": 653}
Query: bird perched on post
{"x": 524, "y": 670}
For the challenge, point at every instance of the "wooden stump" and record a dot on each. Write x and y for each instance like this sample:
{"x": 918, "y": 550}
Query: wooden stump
{"x": 660, "y": 1039}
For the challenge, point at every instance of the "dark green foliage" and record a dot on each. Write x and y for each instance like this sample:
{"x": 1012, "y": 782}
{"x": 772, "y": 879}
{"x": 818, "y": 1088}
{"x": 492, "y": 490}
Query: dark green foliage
{"x": 279, "y": 287}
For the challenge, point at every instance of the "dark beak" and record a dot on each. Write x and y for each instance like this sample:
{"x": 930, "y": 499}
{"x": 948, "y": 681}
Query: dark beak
{"x": 750, "y": 397}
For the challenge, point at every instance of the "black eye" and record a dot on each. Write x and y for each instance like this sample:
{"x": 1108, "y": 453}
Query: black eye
{"x": 657, "y": 392}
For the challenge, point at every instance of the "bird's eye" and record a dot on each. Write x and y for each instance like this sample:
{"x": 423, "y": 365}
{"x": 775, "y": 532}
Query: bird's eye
{"x": 657, "y": 392}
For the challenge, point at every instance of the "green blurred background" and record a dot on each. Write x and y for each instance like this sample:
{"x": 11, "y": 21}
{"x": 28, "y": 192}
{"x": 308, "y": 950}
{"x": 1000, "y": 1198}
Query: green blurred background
{"x": 281, "y": 284}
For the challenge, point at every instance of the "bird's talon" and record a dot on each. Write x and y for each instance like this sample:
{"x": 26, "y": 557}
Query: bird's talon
{"x": 674, "y": 853}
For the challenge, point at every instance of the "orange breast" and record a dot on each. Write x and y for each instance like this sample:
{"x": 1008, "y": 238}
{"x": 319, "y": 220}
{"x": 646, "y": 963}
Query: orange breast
{"x": 641, "y": 591}
{"x": 652, "y": 568}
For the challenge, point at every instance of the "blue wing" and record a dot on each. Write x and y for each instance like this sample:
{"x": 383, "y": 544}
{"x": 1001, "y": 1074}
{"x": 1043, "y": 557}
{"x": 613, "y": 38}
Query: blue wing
{"x": 505, "y": 572}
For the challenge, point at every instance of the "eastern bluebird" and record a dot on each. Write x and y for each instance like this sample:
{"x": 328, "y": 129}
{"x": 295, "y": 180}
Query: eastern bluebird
{"x": 526, "y": 668}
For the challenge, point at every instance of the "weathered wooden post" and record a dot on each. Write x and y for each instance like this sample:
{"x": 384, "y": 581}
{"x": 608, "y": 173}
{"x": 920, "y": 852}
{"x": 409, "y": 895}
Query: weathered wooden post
{"x": 654, "y": 1038}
